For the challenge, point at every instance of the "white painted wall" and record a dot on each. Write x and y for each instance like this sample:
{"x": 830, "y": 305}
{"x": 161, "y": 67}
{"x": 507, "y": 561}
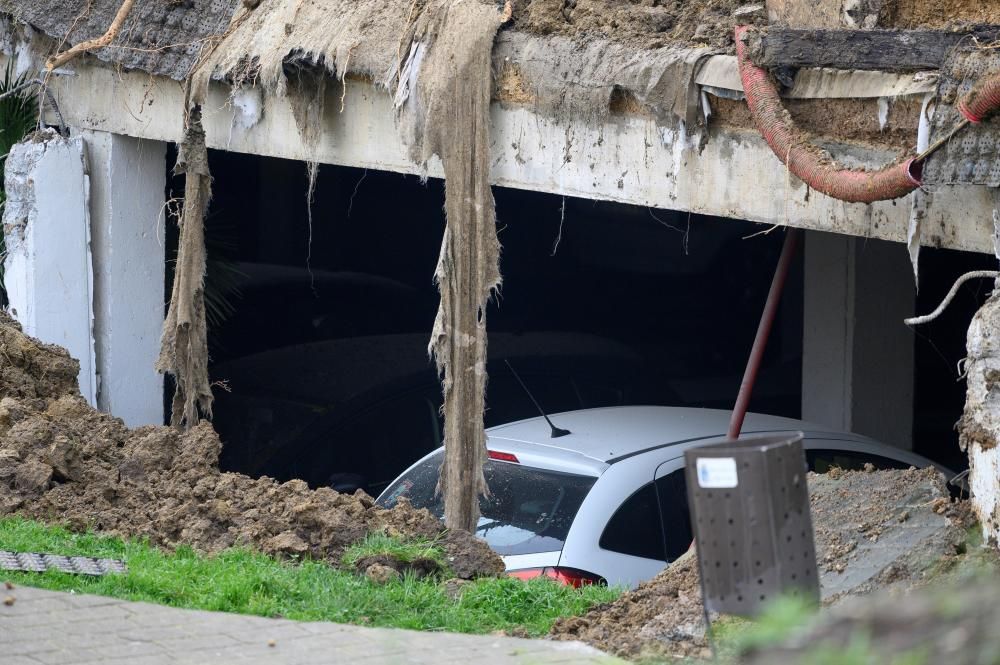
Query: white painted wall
{"x": 128, "y": 180}
{"x": 48, "y": 269}
{"x": 828, "y": 329}
{"x": 857, "y": 355}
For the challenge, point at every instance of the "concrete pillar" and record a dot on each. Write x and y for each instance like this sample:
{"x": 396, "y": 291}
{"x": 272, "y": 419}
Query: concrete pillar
{"x": 48, "y": 270}
{"x": 128, "y": 181}
{"x": 857, "y": 355}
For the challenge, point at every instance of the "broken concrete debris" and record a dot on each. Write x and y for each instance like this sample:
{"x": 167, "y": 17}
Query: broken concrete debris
{"x": 979, "y": 427}
{"x": 863, "y": 545}
{"x": 65, "y": 462}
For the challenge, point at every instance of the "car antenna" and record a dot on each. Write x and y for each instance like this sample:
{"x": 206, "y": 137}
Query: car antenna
{"x": 556, "y": 431}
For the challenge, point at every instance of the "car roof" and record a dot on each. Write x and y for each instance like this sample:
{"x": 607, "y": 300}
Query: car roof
{"x": 611, "y": 434}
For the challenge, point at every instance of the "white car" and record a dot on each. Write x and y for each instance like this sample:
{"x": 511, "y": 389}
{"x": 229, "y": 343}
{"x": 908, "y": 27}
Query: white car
{"x": 607, "y": 503}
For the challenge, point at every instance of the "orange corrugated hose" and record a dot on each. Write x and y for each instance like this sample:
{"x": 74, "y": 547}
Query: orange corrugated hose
{"x": 805, "y": 161}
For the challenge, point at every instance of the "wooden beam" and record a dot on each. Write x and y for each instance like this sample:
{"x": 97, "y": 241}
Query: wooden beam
{"x": 881, "y": 50}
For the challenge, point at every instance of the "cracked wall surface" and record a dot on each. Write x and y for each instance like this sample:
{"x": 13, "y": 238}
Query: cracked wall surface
{"x": 48, "y": 269}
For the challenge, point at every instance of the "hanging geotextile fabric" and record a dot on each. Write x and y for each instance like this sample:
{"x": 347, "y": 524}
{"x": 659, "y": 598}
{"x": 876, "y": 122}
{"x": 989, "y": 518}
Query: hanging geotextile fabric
{"x": 453, "y": 91}
{"x": 184, "y": 344}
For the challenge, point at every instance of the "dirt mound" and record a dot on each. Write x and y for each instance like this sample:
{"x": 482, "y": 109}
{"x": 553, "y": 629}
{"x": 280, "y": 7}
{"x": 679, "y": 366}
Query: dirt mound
{"x": 61, "y": 461}
{"x": 662, "y": 617}
{"x": 30, "y": 369}
{"x": 643, "y": 23}
{"x": 874, "y": 530}
{"x": 881, "y": 529}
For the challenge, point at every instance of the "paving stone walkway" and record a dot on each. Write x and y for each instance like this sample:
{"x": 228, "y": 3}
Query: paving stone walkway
{"x": 47, "y": 627}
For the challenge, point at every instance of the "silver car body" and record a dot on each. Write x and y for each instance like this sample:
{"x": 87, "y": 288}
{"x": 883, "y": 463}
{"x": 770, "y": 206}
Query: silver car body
{"x": 626, "y": 448}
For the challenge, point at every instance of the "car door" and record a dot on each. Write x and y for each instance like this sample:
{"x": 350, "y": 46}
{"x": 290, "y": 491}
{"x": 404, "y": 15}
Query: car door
{"x": 821, "y": 454}
{"x": 675, "y": 514}
{"x": 825, "y": 453}
{"x": 617, "y": 533}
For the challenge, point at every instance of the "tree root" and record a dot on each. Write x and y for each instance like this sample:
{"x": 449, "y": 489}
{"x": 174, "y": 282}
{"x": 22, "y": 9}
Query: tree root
{"x": 61, "y": 59}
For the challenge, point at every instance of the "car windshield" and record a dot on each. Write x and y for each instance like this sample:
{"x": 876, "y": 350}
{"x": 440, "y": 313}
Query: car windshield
{"x": 529, "y": 510}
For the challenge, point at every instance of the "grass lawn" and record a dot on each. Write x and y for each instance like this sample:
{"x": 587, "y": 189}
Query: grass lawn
{"x": 247, "y": 582}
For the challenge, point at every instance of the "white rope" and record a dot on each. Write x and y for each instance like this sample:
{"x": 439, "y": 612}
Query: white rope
{"x": 975, "y": 274}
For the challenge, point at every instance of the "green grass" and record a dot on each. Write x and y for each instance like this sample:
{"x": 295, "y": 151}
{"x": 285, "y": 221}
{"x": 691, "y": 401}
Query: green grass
{"x": 406, "y": 552}
{"x": 247, "y": 582}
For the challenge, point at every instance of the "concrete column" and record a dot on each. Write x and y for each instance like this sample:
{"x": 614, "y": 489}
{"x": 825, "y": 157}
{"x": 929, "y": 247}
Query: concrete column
{"x": 128, "y": 181}
{"x": 857, "y": 355}
{"x": 48, "y": 269}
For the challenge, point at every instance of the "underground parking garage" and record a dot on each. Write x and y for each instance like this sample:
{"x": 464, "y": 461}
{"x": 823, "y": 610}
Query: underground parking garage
{"x": 647, "y": 162}
{"x": 318, "y": 326}
{"x": 858, "y": 369}
{"x": 323, "y": 350}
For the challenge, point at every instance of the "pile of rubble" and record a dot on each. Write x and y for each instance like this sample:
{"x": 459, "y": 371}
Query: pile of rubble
{"x": 63, "y": 462}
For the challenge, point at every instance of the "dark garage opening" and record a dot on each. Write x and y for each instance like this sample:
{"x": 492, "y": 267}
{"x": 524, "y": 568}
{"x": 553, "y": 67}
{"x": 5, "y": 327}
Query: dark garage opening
{"x": 939, "y": 390}
{"x": 318, "y": 335}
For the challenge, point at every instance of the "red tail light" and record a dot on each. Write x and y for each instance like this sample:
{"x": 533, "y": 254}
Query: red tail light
{"x": 502, "y": 457}
{"x": 568, "y": 576}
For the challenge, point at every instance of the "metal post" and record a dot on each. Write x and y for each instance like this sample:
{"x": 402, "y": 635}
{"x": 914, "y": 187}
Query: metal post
{"x": 763, "y": 331}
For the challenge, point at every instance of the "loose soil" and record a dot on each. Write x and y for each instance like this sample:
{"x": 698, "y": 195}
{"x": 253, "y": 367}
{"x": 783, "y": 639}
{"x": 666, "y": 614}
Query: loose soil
{"x": 663, "y": 617}
{"x": 641, "y": 23}
{"x": 910, "y": 14}
{"x": 837, "y": 120}
{"x": 419, "y": 568}
{"x": 656, "y": 23}
{"x": 63, "y": 462}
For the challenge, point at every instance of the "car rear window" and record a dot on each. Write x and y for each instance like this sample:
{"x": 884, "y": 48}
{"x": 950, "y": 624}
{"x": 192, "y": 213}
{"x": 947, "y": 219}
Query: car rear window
{"x": 529, "y": 510}
{"x": 822, "y": 460}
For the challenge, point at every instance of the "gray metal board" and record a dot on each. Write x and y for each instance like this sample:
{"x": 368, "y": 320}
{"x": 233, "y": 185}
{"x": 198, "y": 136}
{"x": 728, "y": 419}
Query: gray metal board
{"x": 35, "y": 562}
{"x": 972, "y": 157}
{"x": 752, "y": 522}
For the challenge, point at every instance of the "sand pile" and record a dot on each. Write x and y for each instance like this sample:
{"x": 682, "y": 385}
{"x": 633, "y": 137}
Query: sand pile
{"x": 63, "y": 462}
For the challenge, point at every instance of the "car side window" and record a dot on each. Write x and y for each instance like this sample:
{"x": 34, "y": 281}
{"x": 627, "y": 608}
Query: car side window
{"x": 635, "y": 528}
{"x": 822, "y": 460}
{"x": 671, "y": 491}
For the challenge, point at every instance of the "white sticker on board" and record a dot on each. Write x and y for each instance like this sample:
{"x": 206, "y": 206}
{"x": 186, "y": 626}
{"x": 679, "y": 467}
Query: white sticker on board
{"x": 717, "y": 472}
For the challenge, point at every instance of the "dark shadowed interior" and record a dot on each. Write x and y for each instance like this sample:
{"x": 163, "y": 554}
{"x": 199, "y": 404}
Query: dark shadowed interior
{"x": 318, "y": 333}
